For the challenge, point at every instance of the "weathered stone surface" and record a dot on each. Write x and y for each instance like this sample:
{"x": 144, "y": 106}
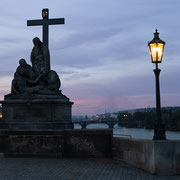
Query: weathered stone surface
{"x": 161, "y": 157}
{"x": 29, "y": 97}
{"x": 36, "y": 114}
{"x": 84, "y": 143}
{"x": 32, "y": 145}
{"x": 69, "y": 143}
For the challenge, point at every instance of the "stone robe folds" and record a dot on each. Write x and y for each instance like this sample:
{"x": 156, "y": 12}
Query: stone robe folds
{"x": 40, "y": 59}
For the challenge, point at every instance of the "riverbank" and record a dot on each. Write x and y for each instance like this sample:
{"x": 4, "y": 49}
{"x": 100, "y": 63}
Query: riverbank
{"x": 137, "y": 133}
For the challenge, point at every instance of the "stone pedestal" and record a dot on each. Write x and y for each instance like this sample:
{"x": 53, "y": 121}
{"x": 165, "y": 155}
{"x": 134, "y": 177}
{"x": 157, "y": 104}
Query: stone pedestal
{"x": 34, "y": 125}
{"x": 38, "y": 113}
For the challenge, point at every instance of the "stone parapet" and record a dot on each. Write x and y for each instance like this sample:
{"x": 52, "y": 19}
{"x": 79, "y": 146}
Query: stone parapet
{"x": 61, "y": 143}
{"x": 155, "y": 156}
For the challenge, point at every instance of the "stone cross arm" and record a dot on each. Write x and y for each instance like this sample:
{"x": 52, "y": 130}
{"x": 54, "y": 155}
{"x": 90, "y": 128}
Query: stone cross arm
{"x": 45, "y": 22}
{"x": 42, "y": 22}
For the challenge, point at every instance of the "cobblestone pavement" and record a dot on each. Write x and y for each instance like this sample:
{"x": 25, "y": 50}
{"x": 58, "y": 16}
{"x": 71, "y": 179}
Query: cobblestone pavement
{"x": 66, "y": 169}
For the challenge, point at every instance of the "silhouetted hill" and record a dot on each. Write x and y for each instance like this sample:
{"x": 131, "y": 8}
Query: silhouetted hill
{"x": 153, "y": 109}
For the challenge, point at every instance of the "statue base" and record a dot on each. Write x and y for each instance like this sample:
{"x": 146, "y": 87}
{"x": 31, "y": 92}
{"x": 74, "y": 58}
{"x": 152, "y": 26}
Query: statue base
{"x": 47, "y": 112}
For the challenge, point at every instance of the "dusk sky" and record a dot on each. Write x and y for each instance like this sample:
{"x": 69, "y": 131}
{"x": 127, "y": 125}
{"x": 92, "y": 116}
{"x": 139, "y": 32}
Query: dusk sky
{"x": 101, "y": 53}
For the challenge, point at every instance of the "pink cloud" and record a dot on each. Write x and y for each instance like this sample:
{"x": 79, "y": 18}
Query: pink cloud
{"x": 99, "y": 105}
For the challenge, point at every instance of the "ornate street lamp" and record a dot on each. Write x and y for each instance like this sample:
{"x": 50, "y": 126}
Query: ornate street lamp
{"x": 156, "y": 48}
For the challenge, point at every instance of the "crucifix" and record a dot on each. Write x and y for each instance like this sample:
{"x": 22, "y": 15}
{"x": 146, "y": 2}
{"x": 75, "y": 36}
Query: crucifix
{"x": 45, "y": 22}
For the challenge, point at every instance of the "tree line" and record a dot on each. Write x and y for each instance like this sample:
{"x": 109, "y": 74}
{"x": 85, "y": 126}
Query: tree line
{"x": 147, "y": 119}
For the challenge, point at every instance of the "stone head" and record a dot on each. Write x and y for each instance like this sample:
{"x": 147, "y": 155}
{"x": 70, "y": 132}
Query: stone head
{"x": 22, "y": 62}
{"x": 36, "y": 41}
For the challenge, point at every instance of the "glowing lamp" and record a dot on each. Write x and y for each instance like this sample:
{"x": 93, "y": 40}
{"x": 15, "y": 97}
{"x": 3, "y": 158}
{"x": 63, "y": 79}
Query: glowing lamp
{"x": 156, "y": 48}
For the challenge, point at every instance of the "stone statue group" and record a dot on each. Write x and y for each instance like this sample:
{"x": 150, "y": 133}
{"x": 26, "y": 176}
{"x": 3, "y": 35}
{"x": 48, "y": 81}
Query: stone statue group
{"x": 38, "y": 78}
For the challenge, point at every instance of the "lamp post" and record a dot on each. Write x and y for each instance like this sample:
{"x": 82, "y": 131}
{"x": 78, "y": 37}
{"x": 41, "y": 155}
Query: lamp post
{"x": 156, "y": 48}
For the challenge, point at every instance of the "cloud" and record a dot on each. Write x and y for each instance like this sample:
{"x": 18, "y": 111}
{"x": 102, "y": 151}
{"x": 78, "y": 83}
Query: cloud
{"x": 101, "y": 53}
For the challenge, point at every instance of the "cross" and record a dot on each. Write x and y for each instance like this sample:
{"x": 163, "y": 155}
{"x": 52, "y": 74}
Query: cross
{"x": 45, "y": 22}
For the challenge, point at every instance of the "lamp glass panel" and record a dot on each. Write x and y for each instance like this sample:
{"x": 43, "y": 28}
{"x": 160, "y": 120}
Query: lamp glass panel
{"x": 156, "y": 51}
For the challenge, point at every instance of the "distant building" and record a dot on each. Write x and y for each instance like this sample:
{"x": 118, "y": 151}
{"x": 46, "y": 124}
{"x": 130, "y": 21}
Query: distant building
{"x": 114, "y": 115}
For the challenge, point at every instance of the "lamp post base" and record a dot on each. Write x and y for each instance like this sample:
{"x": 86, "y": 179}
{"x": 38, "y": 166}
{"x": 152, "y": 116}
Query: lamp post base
{"x": 159, "y": 132}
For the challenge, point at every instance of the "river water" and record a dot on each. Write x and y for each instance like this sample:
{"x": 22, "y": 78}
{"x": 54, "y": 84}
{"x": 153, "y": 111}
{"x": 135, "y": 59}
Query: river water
{"x": 136, "y": 133}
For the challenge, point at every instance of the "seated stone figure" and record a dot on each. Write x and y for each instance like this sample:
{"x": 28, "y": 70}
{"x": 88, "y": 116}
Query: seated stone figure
{"x": 46, "y": 83}
{"x": 53, "y": 81}
{"x": 25, "y": 83}
{"x": 21, "y": 76}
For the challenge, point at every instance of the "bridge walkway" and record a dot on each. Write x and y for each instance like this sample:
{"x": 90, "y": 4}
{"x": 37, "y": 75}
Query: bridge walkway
{"x": 72, "y": 169}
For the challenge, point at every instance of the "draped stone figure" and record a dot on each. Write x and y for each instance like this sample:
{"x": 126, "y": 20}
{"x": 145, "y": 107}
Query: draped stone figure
{"x": 40, "y": 57}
